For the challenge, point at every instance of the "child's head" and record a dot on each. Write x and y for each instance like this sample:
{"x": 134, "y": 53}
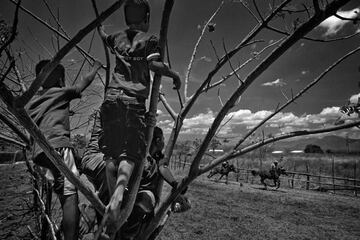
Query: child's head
{"x": 137, "y": 14}
{"x": 55, "y": 79}
{"x": 157, "y": 143}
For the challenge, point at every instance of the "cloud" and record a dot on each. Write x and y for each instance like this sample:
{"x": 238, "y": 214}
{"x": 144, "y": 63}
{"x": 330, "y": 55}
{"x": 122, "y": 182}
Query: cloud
{"x": 277, "y": 83}
{"x": 304, "y": 72}
{"x": 239, "y": 121}
{"x": 333, "y": 24}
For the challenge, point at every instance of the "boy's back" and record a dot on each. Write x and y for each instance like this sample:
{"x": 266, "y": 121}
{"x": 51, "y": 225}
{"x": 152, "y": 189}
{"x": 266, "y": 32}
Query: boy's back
{"x": 50, "y": 111}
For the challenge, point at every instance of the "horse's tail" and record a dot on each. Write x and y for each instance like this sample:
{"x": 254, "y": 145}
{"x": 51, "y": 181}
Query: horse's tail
{"x": 254, "y": 172}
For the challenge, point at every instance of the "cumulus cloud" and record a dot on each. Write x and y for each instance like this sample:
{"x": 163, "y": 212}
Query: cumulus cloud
{"x": 246, "y": 119}
{"x": 333, "y": 24}
{"x": 277, "y": 83}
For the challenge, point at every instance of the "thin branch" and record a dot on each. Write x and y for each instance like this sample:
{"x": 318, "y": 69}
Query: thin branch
{"x": 258, "y": 11}
{"x": 25, "y": 98}
{"x": 14, "y": 28}
{"x": 167, "y": 106}
{"x": 82, "y": 51}
{"x": 11, "y": 66}
{"x": 15, "y": 129}
{"x": 195, "y": 49}
{"x": 293, "y": 98}
{"x": 106, "y": 50}
{"x": 249, "y": 10}
{"x": 315, "y": 39}
{"x": 277, "y": 53}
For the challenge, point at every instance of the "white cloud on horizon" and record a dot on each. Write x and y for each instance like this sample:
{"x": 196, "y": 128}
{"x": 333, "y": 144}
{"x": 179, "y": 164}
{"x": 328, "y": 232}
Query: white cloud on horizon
{"x": 277, "y": 83}
{"x": 246, "y": 119}
{"x": 333, "y": 24}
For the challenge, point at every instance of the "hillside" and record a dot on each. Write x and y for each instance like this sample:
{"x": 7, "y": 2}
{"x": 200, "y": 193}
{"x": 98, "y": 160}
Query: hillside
{"x": 333, "y": 143}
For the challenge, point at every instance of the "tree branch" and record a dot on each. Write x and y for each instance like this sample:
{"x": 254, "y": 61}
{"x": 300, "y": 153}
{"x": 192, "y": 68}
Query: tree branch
{"x": 195, "y": 49}
{"x": 25, "y": 98}
{"x": 14, "y": 28}
{"x": 293, "y": 98}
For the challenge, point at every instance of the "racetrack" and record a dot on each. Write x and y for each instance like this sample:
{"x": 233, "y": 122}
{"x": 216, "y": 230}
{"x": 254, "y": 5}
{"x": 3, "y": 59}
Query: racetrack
{"x": 247, "y": 212}
{"x": 218, "y": 211}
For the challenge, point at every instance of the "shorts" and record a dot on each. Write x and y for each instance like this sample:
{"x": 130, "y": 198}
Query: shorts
{"x": 142, "y": 212}
{"x": 62, "y": 185}
{"x": 94, "y": 169}
{"x": 123, "y": 124}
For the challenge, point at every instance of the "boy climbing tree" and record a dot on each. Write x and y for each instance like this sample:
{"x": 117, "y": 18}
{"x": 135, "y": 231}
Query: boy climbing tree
{"x": 123, "y": 110}
{"x": 50, "y": 111}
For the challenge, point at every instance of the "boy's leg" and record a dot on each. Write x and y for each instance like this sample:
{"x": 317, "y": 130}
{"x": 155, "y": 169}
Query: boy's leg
{"x": 68, "y": 197}
{"x": 112, "y": 166}
{"x": 71, "y": 216}
{"x": 125, "y": 170}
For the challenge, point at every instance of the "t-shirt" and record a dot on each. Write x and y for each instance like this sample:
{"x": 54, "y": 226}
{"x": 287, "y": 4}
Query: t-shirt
{"x": 50, "y": 111}
{"x": 133, "y": 50}
{"x": 88, "y": 161}
{"x": 151, "y": 175}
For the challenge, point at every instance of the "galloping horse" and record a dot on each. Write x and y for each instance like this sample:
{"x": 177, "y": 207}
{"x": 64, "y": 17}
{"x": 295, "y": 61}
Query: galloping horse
{"x": 266, "y": 174}
{"x": 224, "y": 171}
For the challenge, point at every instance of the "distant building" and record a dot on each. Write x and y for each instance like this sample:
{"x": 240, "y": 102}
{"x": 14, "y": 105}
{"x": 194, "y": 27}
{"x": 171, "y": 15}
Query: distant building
{"x": 216, "y": 150}
{"x": 297, "y": 151}
{"x": 277, "y": 152}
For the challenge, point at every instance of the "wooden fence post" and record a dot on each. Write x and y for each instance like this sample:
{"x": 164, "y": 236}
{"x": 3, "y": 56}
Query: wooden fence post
{"x": 333, "y": 172}
{"x": 307, "y": 176}
{"x": 320, "y": 177}
{"x": 293, "y": 176}
{"x": 355, "y": 183}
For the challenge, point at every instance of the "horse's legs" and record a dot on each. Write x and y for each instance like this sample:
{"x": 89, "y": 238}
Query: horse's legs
{"x": 263, "y": 182}
{"x": 226, "y": 182}
{"x": 220, "y": 177}
{"x": 278, "y": 184}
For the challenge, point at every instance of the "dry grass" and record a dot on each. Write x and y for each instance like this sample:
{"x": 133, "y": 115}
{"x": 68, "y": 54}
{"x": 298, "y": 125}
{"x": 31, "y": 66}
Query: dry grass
{"x": 232, "y": 212}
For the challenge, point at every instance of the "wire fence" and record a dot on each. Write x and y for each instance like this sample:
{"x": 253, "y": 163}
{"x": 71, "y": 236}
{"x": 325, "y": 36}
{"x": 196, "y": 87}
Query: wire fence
{"x": 293, "y": 179}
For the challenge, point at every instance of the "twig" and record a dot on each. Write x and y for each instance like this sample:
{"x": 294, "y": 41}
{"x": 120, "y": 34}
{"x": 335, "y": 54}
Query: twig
{"x": 315, "y": 39}
{"x": 258, "y": 11}
{"x": 25, "y": 98}
{"x": 293, "y": 98}
{"x": 14, "y": 28}
{"x": 195, "y": 49}
{"x": 106, "y": 50}
{"x": 42, "y": 207}
{"x": 167, "y": 106}
{"x": 249, "y": 10}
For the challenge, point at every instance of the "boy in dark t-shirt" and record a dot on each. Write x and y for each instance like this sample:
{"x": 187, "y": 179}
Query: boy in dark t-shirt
{"x": 50, "y": 111}
{"x": 123, "y": 110}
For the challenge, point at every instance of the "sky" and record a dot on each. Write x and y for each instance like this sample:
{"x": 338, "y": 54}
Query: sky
{"x": 300, "y": 65}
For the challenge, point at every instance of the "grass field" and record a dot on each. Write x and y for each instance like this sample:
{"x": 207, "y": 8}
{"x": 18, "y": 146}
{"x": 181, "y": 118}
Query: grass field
{"x": 218, "y": 211}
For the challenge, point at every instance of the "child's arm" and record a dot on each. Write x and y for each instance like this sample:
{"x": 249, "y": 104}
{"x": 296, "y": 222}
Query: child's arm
{"x": 102, "y": 33}
{"x": 163, "y": 69}
{"x": 167, "y": 175}
{"x": 87, "y": 80}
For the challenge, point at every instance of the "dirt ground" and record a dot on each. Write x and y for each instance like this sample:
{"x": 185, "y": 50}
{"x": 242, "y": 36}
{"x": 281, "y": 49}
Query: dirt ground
{"x": 248, "y": 212}
{"x": 218, "y": 211}
{"x": 16, "y": 198}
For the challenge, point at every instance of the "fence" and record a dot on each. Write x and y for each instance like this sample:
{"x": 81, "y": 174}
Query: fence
{"x": 294, "y": 179}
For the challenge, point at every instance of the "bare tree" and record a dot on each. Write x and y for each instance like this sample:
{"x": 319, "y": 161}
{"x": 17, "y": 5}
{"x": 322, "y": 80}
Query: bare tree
{"x": 302, "y": 21}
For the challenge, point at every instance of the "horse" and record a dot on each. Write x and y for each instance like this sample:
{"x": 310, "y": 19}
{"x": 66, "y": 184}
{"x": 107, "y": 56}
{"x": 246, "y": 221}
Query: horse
{"x": 266, "y": 174}
{"x": 224, "y": 171}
